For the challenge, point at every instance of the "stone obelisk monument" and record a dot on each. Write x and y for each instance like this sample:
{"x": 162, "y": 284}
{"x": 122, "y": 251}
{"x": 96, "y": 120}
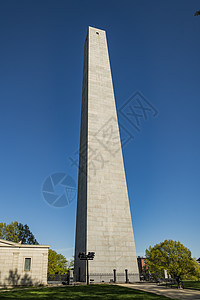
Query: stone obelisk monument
{"x": 103, "y": 223}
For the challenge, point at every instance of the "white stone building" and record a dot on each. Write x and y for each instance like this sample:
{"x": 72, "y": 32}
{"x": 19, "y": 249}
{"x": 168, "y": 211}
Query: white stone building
{"x": 22, "y": 264}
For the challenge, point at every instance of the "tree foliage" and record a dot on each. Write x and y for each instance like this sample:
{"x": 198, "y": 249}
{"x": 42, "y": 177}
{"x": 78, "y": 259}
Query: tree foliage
{"x": 57, "y": 263}
{"x": 173, "y": 257}
{"x": 197, "y": 13}
{"x": 17, "y": 232}
{"x": 9, "y": 232}
{"x": 71, "y": 264}
{"x": 26, "y": 236}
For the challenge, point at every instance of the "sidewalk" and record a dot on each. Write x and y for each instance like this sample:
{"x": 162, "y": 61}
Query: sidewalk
{"x": 184, "y": 294}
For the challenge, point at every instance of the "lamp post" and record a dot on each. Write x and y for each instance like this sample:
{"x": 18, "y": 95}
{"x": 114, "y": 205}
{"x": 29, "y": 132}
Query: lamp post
{"x": 87, "y": 257}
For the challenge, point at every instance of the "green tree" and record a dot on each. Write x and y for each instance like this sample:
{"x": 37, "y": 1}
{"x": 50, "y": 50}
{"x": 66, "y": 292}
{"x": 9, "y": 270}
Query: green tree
{"x": 9, "y": 232}
{"x": 57, "y": 263}
{"x": 25, "y": 235}
{"x": 196, "y": 275}
{"x": 17, "y": 232}
{"x": 71, "y": 264}
{"x": 197, "y": 13}
{"x": 173, "y": 257}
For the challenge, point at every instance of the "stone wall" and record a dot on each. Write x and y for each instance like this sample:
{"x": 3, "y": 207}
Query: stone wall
{"x": 12, "y": 264}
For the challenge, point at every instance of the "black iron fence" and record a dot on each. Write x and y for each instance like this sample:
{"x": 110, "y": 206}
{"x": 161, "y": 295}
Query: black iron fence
{"x": 58, "y": 277}
{"x": 125, "y": 277}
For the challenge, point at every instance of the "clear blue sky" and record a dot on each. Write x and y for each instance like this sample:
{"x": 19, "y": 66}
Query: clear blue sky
{"x": 154, "y": 48}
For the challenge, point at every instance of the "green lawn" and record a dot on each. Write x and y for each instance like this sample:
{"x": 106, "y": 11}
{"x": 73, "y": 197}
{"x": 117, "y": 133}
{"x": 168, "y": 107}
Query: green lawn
{"x": 191, "y": 284}
{"x": 81, "y": 292}
{"x": 187, "y": 284}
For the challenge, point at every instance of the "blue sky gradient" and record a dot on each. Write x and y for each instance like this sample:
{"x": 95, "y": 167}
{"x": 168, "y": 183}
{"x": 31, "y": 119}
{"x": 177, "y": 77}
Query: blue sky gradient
{"x": 154, "y": 48}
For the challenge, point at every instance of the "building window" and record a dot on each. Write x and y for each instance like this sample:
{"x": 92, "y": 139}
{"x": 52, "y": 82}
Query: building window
{"x": 27, "y": 265}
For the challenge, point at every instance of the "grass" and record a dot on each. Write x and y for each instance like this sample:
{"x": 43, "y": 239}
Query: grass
{"x": 81, "y": 292}
{"x": 195, "y": 285}
{"x": 187, "y": 284}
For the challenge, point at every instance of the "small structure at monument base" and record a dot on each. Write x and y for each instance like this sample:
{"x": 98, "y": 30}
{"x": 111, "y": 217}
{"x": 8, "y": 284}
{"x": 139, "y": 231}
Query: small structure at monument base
{"x": 22, "y": 265}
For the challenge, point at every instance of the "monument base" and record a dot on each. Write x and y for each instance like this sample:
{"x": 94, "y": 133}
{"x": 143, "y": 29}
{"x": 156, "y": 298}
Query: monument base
{"x": 109, "y": 278}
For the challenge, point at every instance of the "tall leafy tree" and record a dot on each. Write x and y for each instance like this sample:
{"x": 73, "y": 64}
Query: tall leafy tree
{"x": 9, "y": 232}
{"x": 57, "y": 263}
{"x": 173, "y": 257}
{"x": 17, "y": 232}
{"x": 197, "y": 13}
{"x": 25, "y": 235}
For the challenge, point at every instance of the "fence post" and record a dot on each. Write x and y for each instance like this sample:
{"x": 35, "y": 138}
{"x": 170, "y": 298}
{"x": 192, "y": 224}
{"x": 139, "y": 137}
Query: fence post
{"x": 114, "y": 271}
{"x": 126, "y": 274}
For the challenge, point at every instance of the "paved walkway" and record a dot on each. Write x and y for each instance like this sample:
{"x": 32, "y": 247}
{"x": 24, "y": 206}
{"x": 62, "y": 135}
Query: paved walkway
{"x": 184, "y": 294}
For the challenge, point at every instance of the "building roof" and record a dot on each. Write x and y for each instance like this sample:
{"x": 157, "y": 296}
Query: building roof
{"x": 4, "y": 243}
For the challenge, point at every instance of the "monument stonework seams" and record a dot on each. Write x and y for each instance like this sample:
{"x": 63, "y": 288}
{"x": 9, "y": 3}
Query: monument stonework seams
{"x": 103, "y": 222}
